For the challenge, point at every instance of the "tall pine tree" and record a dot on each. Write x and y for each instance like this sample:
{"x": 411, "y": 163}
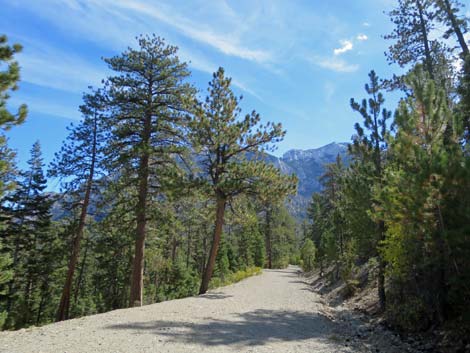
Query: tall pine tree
{"x": 224, "y": 141}
{"x": 148, "y": 100}
{"x": 81, "y": 159}
{"x": 30, "y": 238}
{"x": 369, "y": 153}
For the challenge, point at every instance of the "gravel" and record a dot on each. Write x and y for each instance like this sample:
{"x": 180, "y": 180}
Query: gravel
{"x": 273, "y": 312}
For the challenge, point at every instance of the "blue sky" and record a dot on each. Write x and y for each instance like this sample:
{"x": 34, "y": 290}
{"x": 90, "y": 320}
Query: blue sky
{"x": 296, "y": 62}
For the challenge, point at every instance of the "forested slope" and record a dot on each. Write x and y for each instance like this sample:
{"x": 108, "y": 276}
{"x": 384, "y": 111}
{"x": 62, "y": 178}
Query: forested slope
{"x": 402, "y": 204}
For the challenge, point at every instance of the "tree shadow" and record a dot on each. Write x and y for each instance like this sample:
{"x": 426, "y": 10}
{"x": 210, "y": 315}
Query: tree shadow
{"x": 215, "y": 295}
{"x": 248, "y": 329}
{"x": 285, "y": 273}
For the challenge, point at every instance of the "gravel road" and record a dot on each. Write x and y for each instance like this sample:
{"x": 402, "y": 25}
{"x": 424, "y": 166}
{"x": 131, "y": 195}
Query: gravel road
{"x": 273, "y": 312}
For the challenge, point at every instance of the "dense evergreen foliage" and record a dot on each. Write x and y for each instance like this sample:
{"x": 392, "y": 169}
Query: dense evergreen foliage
{"x": 402, "y": 203}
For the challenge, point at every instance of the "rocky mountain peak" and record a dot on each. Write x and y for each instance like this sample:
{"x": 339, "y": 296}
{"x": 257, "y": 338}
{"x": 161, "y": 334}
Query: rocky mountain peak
{"x": 327, "y": 152}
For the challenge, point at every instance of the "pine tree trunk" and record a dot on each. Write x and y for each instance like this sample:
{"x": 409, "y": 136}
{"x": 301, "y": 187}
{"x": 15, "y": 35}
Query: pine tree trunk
{"x": 11, "y": 285}
{"x": 78, "y": 284}
{"x": 173, "y": 250}
{"x": 188, "y": 250}
{"x": 381, "y": 274}
{"x": 137, "y": 278}
{"x": 443, "y": 261}
{"x": 136, "y": 295}
{"x": 64, "y": 305}
{"x": 269, "y": 249}
{"x": 26, "y": 310}
{"x": 456, "y": 28}
{"x": 427, "y": 50}
{"x": 44, "y": 291}
{"x": 219, "y": 222}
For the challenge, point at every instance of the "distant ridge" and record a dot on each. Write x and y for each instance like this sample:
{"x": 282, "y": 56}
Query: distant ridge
{"x": 308, "y": 165}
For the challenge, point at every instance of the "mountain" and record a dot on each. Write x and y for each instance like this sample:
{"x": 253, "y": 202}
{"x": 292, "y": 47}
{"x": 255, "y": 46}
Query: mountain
{"x": 308, "y": 165}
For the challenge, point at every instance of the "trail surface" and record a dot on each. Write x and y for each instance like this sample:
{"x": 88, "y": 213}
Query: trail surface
{"x": 273, "y": 312}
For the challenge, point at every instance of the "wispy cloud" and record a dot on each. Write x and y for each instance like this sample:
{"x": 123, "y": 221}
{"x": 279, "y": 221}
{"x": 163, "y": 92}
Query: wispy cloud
{"x": 48, "y": 107}
{"x": 51, "y": 67}
{"x": 346, "y": 46}
{"x": 362, "y": 37}
{"x": 224, "y": 43}
{"x": 114, "y": 24}
{"x": 335, "y": 64}
{"x": 248, "y": 90}
{"x": 253, "y": 40}
{"x": 59, "y": 70}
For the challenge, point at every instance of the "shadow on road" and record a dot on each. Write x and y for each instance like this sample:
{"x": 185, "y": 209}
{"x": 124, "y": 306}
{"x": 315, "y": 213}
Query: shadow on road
{"x": 215, "y": 295}
{"x": 285, "y": 273}
{"x": 253, "y": 328}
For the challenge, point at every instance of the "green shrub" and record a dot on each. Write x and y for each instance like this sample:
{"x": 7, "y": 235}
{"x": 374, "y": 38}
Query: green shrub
{"x": 234, "y": 277}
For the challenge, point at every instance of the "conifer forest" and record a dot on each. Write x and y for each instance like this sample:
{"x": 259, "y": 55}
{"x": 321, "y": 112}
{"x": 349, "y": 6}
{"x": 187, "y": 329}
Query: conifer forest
{"x": 166, "y": 190}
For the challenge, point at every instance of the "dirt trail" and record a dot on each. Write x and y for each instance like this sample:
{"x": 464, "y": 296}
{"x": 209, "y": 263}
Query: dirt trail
{"x": 273, "y": 312}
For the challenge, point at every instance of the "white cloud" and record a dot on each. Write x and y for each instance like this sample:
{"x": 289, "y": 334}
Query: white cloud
{"x": 346, "y": 45}
{"x": 335, "y": 64}
{"x": 362, "y": 37}
{"x": 48, "y": 107}
{"x": 221, "y": 42}
{"x": 366, "y": 24}
{"x": 115, "y": 25}
{"x": 248, "y": 90}
{"x": 53, "y": 68}
{"x": 270, "y": 34}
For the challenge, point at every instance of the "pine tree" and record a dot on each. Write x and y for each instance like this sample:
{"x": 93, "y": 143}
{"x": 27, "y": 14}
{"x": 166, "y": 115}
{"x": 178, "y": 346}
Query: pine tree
{"x": 80, "y": 158}
{"x": 463, "y": 107}
{"x": 113, "y": 239}
{"x": 270, "y": 204}
{"x": 368, "y": 150}
{"x": 8, "y": 171}
{"x": 456, "y": 25}
{"x": 416, "y": 245}
{"x": 414, "y": 20}
{"x": 224, "y": 140}
{"x": 334, "y": 230}
{"x": 316, "y": 215}
{"x": 6, "y": 274}
{"x": 307, "y": 254}
{"x": 148, "y": 101}
{"x": 259, "y": 253}
{"x": 30, "y": 239}
{"x": 8, "y": 82}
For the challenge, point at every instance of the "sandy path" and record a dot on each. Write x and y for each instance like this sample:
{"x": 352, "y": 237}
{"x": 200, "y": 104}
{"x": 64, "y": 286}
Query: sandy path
{"x": 272, "y": 312}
